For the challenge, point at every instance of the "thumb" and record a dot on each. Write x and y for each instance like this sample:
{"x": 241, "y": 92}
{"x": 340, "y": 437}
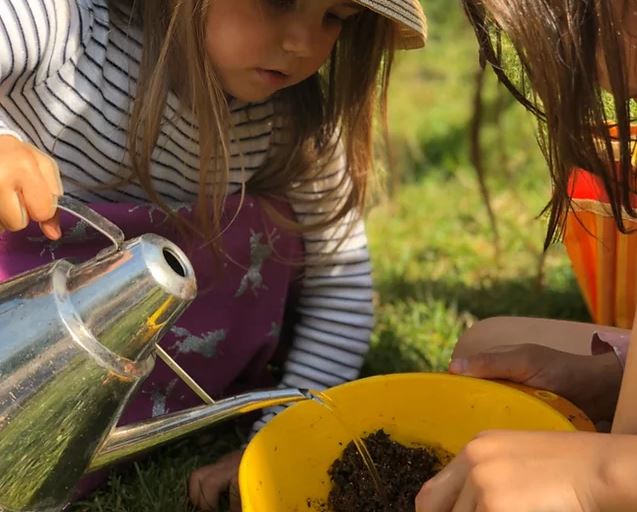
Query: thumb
{"x": 51, "y": 228}
{"x": 492, "y": 365}
{"x": 204, "y": 488}
{"x": 235, "y": 496}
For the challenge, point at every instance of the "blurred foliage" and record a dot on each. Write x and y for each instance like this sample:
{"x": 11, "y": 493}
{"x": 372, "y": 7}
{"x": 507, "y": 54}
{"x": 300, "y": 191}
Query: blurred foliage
{"x": 435, "y": 264}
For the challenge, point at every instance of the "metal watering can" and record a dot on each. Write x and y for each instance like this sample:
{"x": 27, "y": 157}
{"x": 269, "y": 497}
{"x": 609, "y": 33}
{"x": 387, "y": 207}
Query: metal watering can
{"x": 75, "y": 342}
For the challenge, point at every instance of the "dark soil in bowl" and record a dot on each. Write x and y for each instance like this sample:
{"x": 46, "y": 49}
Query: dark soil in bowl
{"x": 402, "y": 471}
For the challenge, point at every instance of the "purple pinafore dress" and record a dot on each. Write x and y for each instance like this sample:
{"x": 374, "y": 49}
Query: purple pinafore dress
{"x": 229, "y": 334}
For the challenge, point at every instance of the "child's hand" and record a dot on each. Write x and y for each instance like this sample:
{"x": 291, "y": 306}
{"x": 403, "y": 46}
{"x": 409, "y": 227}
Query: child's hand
{"x": 590, "y": 382}
{"x": 29, "y": 186}
{"x": 537, "y": 471}
{"x": 208, "y": 482}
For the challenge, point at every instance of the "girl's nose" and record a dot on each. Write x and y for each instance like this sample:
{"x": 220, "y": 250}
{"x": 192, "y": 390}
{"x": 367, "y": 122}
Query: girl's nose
{"x": 300, "y": 36}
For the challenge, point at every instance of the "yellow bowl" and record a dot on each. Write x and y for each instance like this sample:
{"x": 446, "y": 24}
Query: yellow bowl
{"x": 286, "y": 463}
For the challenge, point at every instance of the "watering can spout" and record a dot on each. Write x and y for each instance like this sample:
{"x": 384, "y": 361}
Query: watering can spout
{"x": 127, "y": 441}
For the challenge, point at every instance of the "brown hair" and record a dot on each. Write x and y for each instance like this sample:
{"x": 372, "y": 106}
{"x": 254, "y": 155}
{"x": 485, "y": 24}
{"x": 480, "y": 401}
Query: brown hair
{"x": 336, "y": 104}
{"x": 547, "y": 53}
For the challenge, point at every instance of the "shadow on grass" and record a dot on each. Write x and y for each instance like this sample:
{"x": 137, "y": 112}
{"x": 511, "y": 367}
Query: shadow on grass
{"x": 158, "y": 482}
{"x": 419, "y": 322}
{"x": 494, "y": 297}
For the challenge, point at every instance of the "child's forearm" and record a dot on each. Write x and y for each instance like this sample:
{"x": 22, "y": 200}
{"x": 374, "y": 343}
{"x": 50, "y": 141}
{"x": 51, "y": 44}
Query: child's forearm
{"x": 617, "y": 491}
{"x": 625, "y": 421}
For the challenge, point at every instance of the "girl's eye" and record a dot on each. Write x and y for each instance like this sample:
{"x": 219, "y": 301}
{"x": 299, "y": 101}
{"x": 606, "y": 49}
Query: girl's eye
{"x": 341, "y": 14}
{"x": 334, "y": 17}
{"x": 282, "y": 4}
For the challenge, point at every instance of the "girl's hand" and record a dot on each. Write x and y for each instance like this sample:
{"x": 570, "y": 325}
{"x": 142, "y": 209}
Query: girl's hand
{"x": 501, "y": 471}
{"x": 208, "y": 482}
{"x": 29, "y": 186}
{"x": 590, "y": 382}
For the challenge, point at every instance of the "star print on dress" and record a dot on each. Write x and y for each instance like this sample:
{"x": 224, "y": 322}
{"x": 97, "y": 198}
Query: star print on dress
{"x": 205, "y": 345}
{"x": 158, "y": 399}
{"x": 275, "y": 330}
{"x": 259, "y": 253}
{"x": 151, "y": 210}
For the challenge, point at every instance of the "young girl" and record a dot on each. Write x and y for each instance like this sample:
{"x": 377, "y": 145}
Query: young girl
{"x": 242, "y": 129}
{"x": 568, "y": 53}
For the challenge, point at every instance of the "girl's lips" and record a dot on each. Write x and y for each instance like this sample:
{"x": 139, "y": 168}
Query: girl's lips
{"x": 272, "y": 77}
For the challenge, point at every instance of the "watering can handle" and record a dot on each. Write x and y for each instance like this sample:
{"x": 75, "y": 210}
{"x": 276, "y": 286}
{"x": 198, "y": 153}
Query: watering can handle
{"x": 115, "y": 234}
{"x": 93, "y": 219}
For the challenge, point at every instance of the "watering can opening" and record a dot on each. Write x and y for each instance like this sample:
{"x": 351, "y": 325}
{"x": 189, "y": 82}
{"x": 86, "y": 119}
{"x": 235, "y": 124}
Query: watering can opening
{"x": 174, "y": 262}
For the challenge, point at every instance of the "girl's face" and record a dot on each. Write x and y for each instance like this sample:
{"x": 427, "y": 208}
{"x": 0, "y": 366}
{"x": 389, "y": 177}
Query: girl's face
{"x": 258, "y": 47}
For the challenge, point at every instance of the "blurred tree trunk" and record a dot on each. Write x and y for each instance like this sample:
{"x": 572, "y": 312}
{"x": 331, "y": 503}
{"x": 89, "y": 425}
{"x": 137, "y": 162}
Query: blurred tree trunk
{"x": 476, "y": 155}
{"x": 499, "y": 107}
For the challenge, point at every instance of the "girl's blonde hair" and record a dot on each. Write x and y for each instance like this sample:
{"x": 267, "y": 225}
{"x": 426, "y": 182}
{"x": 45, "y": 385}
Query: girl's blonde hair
{"x": 337, "y": 104}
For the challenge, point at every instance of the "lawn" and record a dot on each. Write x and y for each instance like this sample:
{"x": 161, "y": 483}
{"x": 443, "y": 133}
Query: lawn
{"x": 438, "y": 266}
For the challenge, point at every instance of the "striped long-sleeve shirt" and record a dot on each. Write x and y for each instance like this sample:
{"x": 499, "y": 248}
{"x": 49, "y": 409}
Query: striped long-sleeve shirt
{"x": 67, "y": 74}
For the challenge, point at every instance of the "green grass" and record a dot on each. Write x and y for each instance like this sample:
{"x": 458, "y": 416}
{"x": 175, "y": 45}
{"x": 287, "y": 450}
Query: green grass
{"x": 158, "y": 483}
{"x": 436, "y": 267}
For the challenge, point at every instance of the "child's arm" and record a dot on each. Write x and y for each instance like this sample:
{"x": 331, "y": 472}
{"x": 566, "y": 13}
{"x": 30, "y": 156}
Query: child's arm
{"x": 527, "y": 471}
{"x": 36, "y": 39}
{"x": 548, "y": 354}
{"x": 625, "y": 421}
{"x": 29, "y": 186}
{"x": 531, "y": 471}
{"x": 335, "y": 305}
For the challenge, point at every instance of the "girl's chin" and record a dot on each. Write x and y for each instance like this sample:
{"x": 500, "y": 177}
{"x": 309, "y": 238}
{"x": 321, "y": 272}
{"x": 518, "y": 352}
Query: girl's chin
{"x": 248, "y": 97}
{"x": 256, "y": 94}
